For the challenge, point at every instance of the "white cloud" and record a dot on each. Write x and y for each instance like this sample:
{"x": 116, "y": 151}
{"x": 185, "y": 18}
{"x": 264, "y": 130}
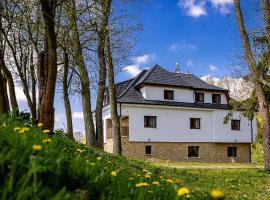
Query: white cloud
{"x": 223, "y": 6}
{"x": 189, "y": 63}
{"x": 193, "y": 8}
{"x": 133, "y": 70}
{"x": 77, "y": 115}
{"x": 141, "y": 59}
{"x": 182, "y": 45}
{"x": 213, "y": 67}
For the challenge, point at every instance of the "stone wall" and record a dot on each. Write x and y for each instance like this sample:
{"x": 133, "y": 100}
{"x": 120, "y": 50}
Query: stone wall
{"x": 208, "y": 152}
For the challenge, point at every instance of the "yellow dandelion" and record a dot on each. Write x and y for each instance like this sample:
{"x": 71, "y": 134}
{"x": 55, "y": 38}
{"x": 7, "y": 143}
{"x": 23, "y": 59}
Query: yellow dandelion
{"x": 80, "y": 150}
{"x": 143, "y": 184}
{"x": 155, "y": 183}
{"x": 16, "y": 129}
{"x": 147, "y": 176}
{"x": 183, "y": 191}
{"x": 23, "y": 130}
{"x": 47, "y": 141}
{"x": 99, "y": 158}
{"x": 36, "y": 147}
{"x": 161, "y": 177}
{"x": 217, "y": 194}
{"x": 114, "y": 173}
{"x": 46, "y": 131}
{"x": 170, "y": 181}
{"x": 40, "y": 125}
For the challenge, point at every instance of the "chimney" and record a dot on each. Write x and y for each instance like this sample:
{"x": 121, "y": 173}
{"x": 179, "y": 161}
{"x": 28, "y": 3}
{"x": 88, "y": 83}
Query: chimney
{"x": 177, "y": 69}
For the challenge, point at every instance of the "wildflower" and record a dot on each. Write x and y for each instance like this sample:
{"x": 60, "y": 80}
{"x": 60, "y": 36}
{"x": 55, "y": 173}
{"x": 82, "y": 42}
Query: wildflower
{"x": 23, "y": 130}
{"x": 36, "y": 147}
{"x": 16, "y": 129}
{"x": 147, "y": 176}
{"x": 143, "y": 184}
{"x": 40, "y": 125}
{"x": 155, "y": 183}
{"x": 46, "y": 131}
{"x": 114, "y": 173}
{"x": 47, "y": 141}
{"x": 99, "y": 158}
{"x": 170, "y": 181}
{"x": 161, "y": 177}
{"x": 183, "y": 191}
{"x": 80, "y": 150}
{"x": 217, "y": 194}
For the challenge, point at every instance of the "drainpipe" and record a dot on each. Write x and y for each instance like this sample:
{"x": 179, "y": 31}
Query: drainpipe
{"x": 251, "y": 136}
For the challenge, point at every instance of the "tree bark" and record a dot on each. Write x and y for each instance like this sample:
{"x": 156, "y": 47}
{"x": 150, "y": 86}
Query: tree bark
{"x": 266, "y": 13}
{"x": 84, "y": 78}
{"x": 117, "y": 149}
{"x": 263, "y": 107}
{"x": 66, "y": 97}
{"x": 46, "y": 115}
{"x": 3, "y": 101}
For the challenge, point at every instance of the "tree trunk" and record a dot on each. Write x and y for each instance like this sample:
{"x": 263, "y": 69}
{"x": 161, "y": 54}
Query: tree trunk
{"x": 85, "y": 82}
{"x": 66, "y": 97}
{"x": 266, "y": 13}
{"x": 117, "y": 149}
{"x": 46, "y": 115}
{"x": 263, "y": 107}
{"x": 3, "y": 103}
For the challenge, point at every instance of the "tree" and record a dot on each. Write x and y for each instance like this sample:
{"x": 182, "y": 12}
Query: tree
{"x": 256, "y": 79}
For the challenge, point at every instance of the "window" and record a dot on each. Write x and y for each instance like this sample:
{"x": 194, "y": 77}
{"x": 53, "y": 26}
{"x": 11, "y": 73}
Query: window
{"x": 199, "y": 97}
{"x": 148, "y": 150}
{"x": 232, "y": 152}
{"x": 216, "y": 98}
{"x": 150, "y": 121}
{"x": 193, "y": 151}
{"x": 195, "y": 123}
{"x": 235, "y": 124}
{"x": 168, "y": 94}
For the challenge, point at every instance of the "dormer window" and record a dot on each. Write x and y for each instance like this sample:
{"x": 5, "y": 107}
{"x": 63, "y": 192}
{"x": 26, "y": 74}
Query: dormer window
{"x": 216, "y": 98}
{"x": 199, "y": 97}
{"x": 168, "y": 94}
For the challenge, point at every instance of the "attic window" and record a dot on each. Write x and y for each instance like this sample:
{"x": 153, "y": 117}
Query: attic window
{"x": 216, "y": 98}
{"x": 168, "y": 94}
{"x": 235, "y": 125}
{"x": 199, "y": 97}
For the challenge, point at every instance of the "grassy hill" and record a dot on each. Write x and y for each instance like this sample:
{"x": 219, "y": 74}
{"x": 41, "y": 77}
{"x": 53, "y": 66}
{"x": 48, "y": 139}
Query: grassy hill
{"x": 36, "y": 164}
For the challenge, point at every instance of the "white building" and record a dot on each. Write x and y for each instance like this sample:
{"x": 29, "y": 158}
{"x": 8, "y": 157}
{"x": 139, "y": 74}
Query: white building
{"x": 178, "y": 116}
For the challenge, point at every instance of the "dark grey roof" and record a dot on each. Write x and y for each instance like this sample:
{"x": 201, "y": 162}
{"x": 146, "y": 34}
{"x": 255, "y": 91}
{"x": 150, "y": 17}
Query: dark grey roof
{"x": 129, "y": 92}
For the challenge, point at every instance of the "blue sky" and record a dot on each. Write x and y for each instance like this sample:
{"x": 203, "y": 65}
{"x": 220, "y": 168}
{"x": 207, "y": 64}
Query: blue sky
{"x": 201, "y": 35}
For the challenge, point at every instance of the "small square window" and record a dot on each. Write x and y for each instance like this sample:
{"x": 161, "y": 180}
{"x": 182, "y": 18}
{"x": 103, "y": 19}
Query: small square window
{"x": 193, "y": 151}
{"x": 169, "y": 94}
{"x": 216, "y": 98}
{"x": 235, "y": 125}
{"x": 150, "y": 121}
{"x": 232, "y": 152}
{"x": 199, "y": 97}
{"x": 148, "y": 150}
{"x": 195, "y": 123}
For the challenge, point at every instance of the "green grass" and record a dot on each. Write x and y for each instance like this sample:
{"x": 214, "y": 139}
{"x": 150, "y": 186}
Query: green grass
{"x": 64, "y": 169}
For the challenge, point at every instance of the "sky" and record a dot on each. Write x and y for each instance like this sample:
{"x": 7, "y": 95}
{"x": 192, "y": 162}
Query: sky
{"x": 200, "y": 35}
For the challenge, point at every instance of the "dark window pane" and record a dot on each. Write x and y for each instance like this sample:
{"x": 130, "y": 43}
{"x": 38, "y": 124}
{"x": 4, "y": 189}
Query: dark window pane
{"x": 148, "y": 150}
{"x": 193, "y": 151}
{"x": 216, "y": 98}
{"x": 150, "y": 121}
{"x": 195, "y": 123}
{"x": 235, "y": 125}
{"x": 232, "y": 152}
{"x": 168, "y": 94}
{"x": 199, "y": 97}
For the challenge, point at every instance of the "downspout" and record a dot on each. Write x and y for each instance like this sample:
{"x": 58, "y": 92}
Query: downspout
{"x": 251, "y": 136}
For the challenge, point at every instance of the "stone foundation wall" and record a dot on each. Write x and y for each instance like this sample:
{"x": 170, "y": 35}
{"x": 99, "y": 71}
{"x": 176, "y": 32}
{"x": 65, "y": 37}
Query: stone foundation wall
{"x": 108, "y": 146}
{"x": 208, "y": 152}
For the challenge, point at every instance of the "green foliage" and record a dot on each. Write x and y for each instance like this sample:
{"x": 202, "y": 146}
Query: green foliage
{"x": 62, "y": 169}
{"x": 257, "y": 153}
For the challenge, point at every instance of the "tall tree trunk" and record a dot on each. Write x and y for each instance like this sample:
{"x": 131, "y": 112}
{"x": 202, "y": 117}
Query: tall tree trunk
{"x": 66, "y": 97}
{"x": 85, "y": 82}
{"x": 263, "y": 107}
{"x": 266, "y": 13}
{"x": 46, "y": 115}
{"x": 3, "y": 92}
{"x": 117, "y": 149}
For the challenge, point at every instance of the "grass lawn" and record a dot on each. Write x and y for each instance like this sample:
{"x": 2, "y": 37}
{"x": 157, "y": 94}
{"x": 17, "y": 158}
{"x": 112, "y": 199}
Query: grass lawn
{"x": 39, "y": 165}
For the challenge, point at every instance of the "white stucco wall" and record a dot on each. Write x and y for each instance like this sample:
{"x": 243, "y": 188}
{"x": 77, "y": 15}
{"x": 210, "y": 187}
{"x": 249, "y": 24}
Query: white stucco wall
{"x": 180, "y": 94}
{"x": 173, "y": 125}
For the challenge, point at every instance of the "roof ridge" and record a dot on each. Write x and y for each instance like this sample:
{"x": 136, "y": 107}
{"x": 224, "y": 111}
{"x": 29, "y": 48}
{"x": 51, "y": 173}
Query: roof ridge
{"x": 208, "y": 83}
{"x": 135, "y": 79}
{"x": 149, "y": 72}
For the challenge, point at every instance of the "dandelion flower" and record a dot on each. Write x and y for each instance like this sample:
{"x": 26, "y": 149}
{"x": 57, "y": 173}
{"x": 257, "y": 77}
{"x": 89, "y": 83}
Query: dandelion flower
{"x": 183, "y": 191}
{"x": 80, "y": 150}
{"x": 217, "y": 194}
{"x": 47, "y": 141}
{"x": 143, "y": 184}
{"x": 36, "y": 147}
{"x": 170, "y": 181}
{"x": 16, "y": 129}
{"x": 114, "y": 173}
{"x": 155, "y": 183}
{"x": 147, "y": 176}
{"x": 23, "y": 130}
{"x": 99, "y": 158}
{"x": 40, "y": 125}
{"x": 46, "y": 131}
